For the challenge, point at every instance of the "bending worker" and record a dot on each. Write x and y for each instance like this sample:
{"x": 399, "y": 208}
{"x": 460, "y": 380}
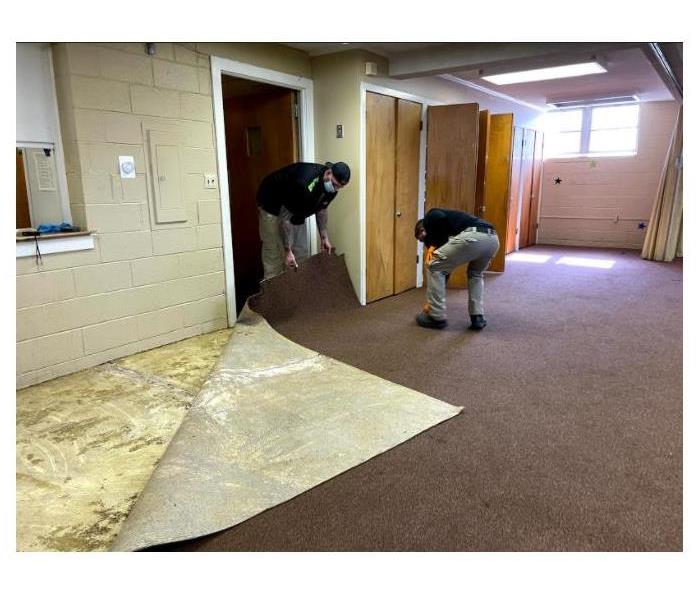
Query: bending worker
{"x": 453, "y": 238}
{"x": 285, "y": 199}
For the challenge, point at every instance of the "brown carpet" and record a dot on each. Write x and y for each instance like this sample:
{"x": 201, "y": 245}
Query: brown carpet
{"x": 571, "y": 437}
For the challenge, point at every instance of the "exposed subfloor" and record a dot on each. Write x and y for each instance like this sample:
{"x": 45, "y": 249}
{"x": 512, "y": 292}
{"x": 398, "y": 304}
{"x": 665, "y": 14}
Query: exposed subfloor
{"x": 88, "y": 442}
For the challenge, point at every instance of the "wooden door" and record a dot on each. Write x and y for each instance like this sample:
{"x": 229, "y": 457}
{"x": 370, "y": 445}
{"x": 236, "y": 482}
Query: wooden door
{"x": 260, "y": 138}
{"x": 514, "y": 194}
{"x": 453, "y": 136}
{"x": 22, "y": 214}
{"x": 408, "y": 118}
{"x": 381, "y": 187}
{"x": 482, "y": 162}
{"x": 526, "y": 188}
{"x": 497, "y": 182}
{"x": 450, "y": 179}
{"x": 538, "y": 164}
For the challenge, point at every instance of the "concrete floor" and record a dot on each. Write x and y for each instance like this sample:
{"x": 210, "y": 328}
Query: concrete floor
{"x": 71, "y": 494}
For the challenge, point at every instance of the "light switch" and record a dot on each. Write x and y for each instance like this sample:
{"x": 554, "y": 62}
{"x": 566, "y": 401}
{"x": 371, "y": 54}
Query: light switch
{"x": 338, "y": 131}
{"x": 210, "y": 181}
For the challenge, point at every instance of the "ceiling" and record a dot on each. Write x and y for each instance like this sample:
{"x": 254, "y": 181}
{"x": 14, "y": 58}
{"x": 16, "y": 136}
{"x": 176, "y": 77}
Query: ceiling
{"x": 629, "y": 72}
{"x": 633, "y": 69}
{"x": 386, "y": 49}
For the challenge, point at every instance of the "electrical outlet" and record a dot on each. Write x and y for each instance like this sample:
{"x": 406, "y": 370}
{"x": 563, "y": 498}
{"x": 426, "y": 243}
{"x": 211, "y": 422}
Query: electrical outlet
{"x": 210, "y": 181}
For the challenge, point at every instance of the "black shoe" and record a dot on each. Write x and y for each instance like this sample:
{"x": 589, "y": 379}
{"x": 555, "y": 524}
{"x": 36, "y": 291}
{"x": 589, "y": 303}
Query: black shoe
{"x": 427, "y": 321}
{"x": 478, "y": 322}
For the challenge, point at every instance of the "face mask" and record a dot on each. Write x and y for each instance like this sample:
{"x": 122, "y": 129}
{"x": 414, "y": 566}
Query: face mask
{"x": 328, "y": 186}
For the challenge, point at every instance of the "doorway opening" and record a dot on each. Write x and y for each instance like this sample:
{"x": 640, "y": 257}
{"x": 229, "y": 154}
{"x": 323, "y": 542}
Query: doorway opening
{"x": 262, "y": 135}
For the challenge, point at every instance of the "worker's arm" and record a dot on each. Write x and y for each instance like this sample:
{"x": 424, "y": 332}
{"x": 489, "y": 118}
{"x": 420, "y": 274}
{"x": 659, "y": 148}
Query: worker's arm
{"x": 287, "y": 234}
{"x": 322, "y": 222}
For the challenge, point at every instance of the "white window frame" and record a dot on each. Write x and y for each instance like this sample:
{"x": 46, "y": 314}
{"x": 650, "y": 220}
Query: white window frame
{"x": 585, "y": 138}
{"x": 56, "y": 145}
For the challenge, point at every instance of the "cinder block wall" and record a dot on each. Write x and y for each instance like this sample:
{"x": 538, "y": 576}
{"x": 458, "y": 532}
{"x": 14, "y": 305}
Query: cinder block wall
{"x": 144, "y": 284}
{"x": 601, "y": 201}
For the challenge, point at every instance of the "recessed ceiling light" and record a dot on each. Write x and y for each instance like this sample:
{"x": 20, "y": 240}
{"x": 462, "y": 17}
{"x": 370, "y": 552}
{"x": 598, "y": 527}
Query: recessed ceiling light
{"x": 588, "y": 68}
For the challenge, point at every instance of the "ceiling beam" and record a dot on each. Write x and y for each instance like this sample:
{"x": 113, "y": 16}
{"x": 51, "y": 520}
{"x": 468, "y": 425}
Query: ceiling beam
{"x": 660, "y": 62}
{"x": 491, "y": 58}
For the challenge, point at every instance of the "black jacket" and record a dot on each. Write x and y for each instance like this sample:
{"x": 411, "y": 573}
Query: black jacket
{"x": 440, "y": 224}
{"x": 299, "y": 187}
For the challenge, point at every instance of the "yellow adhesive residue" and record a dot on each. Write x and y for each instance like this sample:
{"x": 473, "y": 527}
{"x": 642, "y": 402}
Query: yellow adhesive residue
{"x": 88, "y": 442}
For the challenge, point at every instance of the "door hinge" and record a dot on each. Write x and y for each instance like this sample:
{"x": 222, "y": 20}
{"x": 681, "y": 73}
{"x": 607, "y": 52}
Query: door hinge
{"x": 296, "y": 111}
{"x": 421, "y": 126}
{"x": 417, "y": 258}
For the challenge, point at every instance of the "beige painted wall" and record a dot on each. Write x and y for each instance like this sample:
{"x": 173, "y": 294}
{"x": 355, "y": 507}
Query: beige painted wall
{"x": 336, "y": 80}
{"x": 601, "y": 201}
{"x": 269, "y": 56}
{"x": 144, "y": 284}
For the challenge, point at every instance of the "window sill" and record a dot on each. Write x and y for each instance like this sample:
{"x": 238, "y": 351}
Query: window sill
{"x": 53, "y": 243}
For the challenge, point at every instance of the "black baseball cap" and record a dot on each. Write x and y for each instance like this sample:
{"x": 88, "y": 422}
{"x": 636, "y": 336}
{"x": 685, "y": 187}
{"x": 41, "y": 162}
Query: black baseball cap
{"x": 340, "y": 171}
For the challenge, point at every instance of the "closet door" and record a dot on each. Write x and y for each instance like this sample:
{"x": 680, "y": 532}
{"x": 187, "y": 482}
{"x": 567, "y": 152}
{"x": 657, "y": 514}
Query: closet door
{"x": 482, "y": 163}
{"x": 497, "y": 182}
{"x": 408, "y": 117}
{"x": 450, "y": 179}
{"x": 514, "y": 194}
{"x": 526, "y": 188}
{"x": 381, "y": 187}
{"x": 536, "y": 187}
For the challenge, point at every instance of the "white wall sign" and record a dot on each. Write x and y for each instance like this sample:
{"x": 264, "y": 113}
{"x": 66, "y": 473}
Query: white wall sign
{"x": 127, "y": 168}
{"x": 45, "y": 175}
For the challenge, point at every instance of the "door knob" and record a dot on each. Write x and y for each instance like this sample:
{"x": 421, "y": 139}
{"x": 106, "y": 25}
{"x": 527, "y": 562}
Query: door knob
{"x": 398, "y": 213}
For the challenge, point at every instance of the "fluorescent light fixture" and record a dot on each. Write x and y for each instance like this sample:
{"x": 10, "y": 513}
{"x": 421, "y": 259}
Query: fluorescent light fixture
{"x": 588, "y": 68}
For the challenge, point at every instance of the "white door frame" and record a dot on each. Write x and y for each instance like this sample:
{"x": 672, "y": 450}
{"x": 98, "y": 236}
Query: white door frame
{"x": 370, "y": 87}
{"x": 224, "y": 66}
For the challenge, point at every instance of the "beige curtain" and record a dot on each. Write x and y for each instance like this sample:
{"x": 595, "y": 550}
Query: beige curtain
{"x": 663, "y": 238}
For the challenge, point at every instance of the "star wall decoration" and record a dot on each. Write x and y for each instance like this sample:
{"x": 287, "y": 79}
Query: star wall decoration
{"x": 557, "y": 180}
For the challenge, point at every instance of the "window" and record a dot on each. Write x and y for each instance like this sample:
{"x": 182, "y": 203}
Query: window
{"x": 606, "y": 130}
{"x": 42, "y": 191}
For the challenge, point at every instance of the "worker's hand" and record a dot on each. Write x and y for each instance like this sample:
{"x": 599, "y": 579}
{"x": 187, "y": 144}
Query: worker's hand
{"x": 429, "y": 255}
{"x": 290, "y": 260}
{"x": 325, "y": 245}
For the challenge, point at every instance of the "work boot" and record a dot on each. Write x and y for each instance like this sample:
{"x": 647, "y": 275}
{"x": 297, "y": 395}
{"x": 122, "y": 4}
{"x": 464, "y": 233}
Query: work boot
{"x": 478, "y": 322}
{"x": 427, "y": 321}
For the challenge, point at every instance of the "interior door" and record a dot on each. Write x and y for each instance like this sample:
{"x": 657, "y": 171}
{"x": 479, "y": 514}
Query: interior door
{"x": 536, "y": 187}
{"x": 514, "y": 195}
{"x": 450, "y": 180}
{"x": 260, "y": 138}
{"x": 526, "y": 187}
{"x": 408, "y": 118}
{"x": 482, "y": 163}
{"x": 381, "y": 187}
{"x": 497, "y": 181}
{"x": 22, "y": 214}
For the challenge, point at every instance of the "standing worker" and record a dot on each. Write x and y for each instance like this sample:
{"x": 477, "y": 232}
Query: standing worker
{"x": 285, "y": 199}
{"x": 453, "y": 238}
